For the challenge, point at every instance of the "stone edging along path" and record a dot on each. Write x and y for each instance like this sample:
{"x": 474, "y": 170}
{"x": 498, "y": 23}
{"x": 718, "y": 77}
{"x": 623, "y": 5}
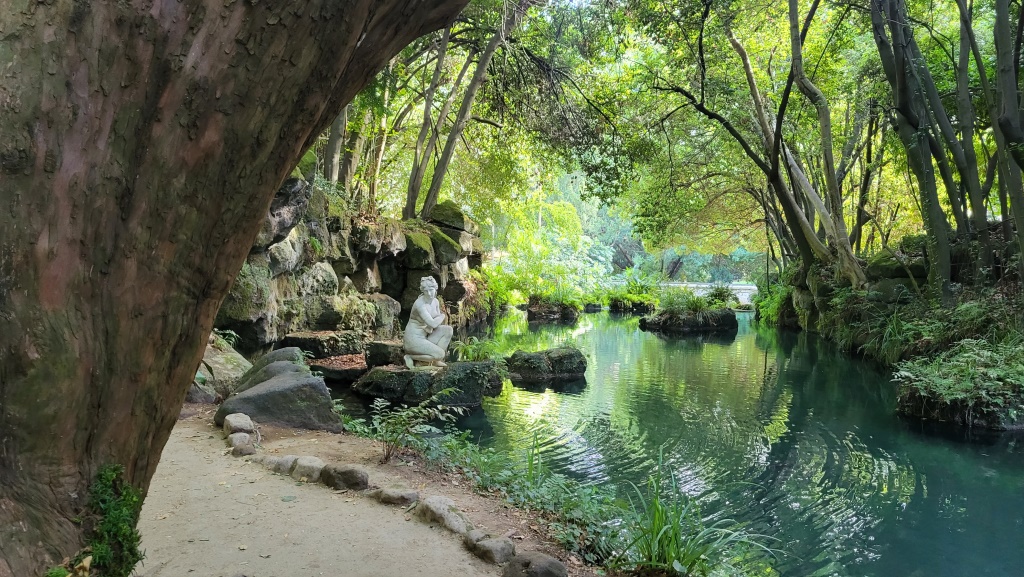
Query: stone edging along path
{"x": 434, "y": 510}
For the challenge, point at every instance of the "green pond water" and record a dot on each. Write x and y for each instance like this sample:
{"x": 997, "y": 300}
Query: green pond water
{"x": 776, "y": 430}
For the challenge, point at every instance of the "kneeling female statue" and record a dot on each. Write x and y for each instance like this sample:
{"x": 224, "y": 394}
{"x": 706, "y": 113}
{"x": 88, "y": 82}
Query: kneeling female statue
{"x": 426, "y": 336}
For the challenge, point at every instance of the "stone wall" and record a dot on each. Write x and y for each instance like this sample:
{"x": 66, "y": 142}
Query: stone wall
{"x": 310, "y": 270}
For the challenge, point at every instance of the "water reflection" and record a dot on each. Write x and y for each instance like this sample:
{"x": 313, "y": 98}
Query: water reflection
{"x": 778, "y": 431}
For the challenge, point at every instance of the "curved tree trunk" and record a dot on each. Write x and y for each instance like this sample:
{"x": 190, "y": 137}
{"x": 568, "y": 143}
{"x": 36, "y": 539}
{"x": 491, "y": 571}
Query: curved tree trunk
{"x": 142, "y": 145}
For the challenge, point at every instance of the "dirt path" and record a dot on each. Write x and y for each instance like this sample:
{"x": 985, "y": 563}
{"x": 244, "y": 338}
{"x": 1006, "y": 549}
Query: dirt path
{"x": 209, "y": 514}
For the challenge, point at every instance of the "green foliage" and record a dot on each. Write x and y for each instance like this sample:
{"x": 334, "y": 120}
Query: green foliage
{"x": 769, "y": 304}
{"x": 667, "y": 533}
{"x": 57, "y": 572}
{"x": 721, "y": 293}
{"x": 317, "y": 246}
{"x": 396, "y": 428}
{"x": 476, "y": 349}
{"x": 115, "y": 539}
{"x": 974, "y": 374}
{"x": 229, "y": 337}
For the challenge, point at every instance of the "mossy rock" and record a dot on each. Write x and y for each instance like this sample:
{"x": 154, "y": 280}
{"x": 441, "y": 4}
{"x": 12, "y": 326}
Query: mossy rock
{"x": 884, "y": 265}
{"x": 446, "y": 250}
{"x": 449, "y": 214}
{"x": 257, "y": 376}
{"x": 251, "y": 296}
{"x": 393, "y": 383}
{"x": 323, "y": 344}
{"x": 397, "y": 384}
{"x": 715, "y": 321}
{"x": 563, "y": 363}
{"x": 419, "y": 252}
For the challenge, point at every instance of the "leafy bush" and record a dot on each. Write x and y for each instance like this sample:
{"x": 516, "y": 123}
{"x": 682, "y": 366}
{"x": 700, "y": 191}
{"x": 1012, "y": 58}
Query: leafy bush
{"x": 769, "y": 304}
{"x": 396, "y": 428}
{"x": 723, "y": 294}
{"x": 115, "y": 539}
{"x": 475, "y": 349}
{"x": 974, "y": 374}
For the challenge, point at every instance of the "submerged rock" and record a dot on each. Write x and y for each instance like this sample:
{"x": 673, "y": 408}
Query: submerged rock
{"x": 721, "y": 320}
{"x": 561, "y": 364}
{"x": 471, "y": 380}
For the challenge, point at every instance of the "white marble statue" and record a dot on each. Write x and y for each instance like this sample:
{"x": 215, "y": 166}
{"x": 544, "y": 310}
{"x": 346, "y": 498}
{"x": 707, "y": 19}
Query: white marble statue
{"x": 426, "y": 336}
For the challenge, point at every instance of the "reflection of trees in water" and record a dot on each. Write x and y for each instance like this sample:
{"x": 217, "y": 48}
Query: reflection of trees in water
{"x": 783, "y": 432}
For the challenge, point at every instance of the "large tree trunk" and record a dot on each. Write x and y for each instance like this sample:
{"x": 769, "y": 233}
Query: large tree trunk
{"x": 142, "y": 145}
{"x": 332, "y": 166}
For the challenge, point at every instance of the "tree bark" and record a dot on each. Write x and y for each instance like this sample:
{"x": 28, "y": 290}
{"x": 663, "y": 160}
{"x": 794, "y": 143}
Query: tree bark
{"x": 143, "y": 143}
{"x": 420, "y": 156}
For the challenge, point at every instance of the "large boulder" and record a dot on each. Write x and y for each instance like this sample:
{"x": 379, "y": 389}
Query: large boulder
{"x": 720, "y": 320}
{"x": 286, "y": 256}
{"x": 466, "y": 241}
{"x": 471, "y": 382}
{"x": 386, "y": 314}
{"x": 886, "y": 265}
{"x": 564, "y": 363}
{"x": 419, "y": 252}
{"x": 222, "y": 366}
{"x": 322, "y": 344}
{"x": 291, "y": 400}
{"x": 449, "y": 214}
{"x": 543, "y": 311}
{"x": 257, "y": 376}
{"x": 319, "y": 279}
{"x": 382, "y": 353}
{"x": 446, "y": 250}
{"x": 286, "y": 211}
{"x": 366, "y": 278}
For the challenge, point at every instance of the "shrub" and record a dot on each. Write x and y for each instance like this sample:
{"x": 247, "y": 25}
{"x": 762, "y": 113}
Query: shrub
{"x": 723, "y": 294}
{"x": 769, "y": 304}
{"x": 115, "y": 539}
{"x": 475, "y": 349}
{"x": 396, "y": 428}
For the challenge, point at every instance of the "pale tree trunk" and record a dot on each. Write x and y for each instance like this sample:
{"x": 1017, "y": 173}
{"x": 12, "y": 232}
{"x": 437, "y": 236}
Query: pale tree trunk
{"x": 965, "y": 110}
{"x": 332, "y": 166}
{"x": 142, "y": 146}
{"x": 811, "y": 247}
{"x": 420, "y": 155}
{"x": 833, "y": 220}
{"x": 353, "y": 155}
{"x": 512, "y": 19}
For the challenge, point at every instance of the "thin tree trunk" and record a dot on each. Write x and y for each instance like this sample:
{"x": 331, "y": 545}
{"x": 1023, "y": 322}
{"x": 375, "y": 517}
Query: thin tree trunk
{"x": 833, "y": 220}
{"x": 419, "y": 155}
{"x": 146, "y": 145}
{"x": 512, "y": 19}
{"x": 354, "y": 150}
{"x": 337, "y": 136}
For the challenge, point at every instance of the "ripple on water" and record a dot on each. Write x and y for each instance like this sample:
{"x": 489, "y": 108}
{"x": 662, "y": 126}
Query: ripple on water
{"x": 781, "y": 434}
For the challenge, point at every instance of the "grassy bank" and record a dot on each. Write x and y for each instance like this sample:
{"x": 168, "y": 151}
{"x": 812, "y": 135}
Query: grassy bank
{"x": 962, "y": 363}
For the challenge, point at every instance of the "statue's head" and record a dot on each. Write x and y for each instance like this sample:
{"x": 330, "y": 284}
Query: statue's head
{"x": 428, "y": 286}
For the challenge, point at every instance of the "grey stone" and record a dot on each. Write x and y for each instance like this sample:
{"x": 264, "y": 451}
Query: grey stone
{"x": 534, "y": 564}
{"x": 323, "y": 344}
{"x": 471, "y": 380}
{"x": 291, "y": 400}
{"x": 895, "y": 290}
{"x": 442, "y": 511}
{"x": 463, "y": 238}
{"x": 345, "y": 477}
{"x": 497, "y": 550}
{"x": 380, "y": 353}
{"x": 237, "y": 422}
{"x": 201, "y": 393}
{"x": 256, "y": 376}
{"x": 243, "y": 450}
{"x": 285, "y": 212}
{"x": 449, "y": 214}
{"x": 307, "y": 468}
{"x": 552, "y": 364}
{"x": 282, "y": 465}
{"x": 293, "y": 354}
{"x": 395, "y": 495}
{"x": 286, "y": 256}
{"x": 386, "y": 314}
{"x": 319, "y": 279}
{"x": 236, "y": 439}
{"x": 366, "y": 278}
{"x": 446, "y": 250}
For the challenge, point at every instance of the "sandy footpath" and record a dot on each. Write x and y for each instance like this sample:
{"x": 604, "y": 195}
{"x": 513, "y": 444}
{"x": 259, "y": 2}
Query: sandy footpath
{"x": 209, "y": 514}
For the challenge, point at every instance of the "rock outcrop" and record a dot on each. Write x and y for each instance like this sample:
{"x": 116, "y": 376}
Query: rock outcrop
{"x": 472, "y": 381}
{"x": 720, "y": 320}
{"x": 560, "y": 364}
{"x": 313, "y": 271}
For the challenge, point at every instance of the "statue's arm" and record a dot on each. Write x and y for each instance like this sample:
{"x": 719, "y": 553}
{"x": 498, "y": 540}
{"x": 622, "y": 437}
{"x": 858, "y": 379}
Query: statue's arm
{"x": 429, "y": 319}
